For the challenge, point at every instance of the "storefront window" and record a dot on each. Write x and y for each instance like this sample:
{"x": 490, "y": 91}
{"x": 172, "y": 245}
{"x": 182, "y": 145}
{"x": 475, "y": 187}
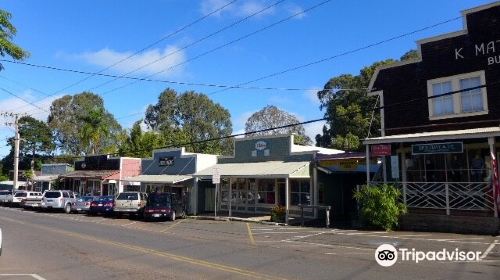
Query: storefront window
{"x": 300, "y": 192}
{"x": 266, "y": 191}
{"x": 474, "y": 165}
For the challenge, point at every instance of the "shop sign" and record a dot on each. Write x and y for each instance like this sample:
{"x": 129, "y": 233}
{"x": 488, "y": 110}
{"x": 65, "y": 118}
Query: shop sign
{"x": 437, "y": 148}
{"x": 260, "y": 145}
{"x": 215, "y": 176}
{"x": 166, "y": 161}
{"x": 381, "y": 150}
{"x": 341, "y": 164}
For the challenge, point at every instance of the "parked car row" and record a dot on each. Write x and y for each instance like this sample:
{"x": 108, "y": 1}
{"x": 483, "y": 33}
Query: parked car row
{"x": 153, "y": 206}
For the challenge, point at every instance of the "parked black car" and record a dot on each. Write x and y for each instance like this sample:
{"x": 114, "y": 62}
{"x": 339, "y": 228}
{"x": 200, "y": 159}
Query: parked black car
{"x": 102, "y": 205}
{"x": 164, "y": 205}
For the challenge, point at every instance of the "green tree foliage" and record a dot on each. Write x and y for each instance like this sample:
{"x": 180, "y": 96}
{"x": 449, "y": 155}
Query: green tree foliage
{"x": 349, "y": 110}
{"x": 380, "y": 205}
{"x": 271, "y": 116}
{"x": 190, "y": 117}
{"x": 7, "y": 33}
{"x": 139, "y": 143}
{"x": 35, "y": 137}
{"x": 81, "y": 125}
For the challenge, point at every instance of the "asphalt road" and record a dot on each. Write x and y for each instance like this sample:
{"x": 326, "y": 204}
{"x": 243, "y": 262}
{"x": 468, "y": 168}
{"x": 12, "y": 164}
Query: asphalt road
{"x": 60, "y": 246}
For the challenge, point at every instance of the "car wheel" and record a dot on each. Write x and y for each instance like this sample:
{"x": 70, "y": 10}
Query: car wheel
{"x": 172, "y": 217}
{"x": 182, "y": 215}
{"x": 67, "y": 209}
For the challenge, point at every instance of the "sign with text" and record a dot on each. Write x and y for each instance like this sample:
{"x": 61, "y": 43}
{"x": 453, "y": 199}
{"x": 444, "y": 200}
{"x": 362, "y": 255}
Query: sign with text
{"x": 166, "y": 161}
{"x": 215, "y": 176}
{"x": 381, "y": 150}
{"x": 437, "y": 148}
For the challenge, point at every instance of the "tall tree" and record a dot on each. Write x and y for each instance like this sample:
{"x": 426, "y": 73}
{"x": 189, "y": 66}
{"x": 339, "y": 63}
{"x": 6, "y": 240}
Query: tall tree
{"x": 271, "y": 116}
{"x": 7, "y": 33}
{"x": 139, "y": 143}
{"x": 190, "y": 117}
{"x": 81, "y": 125}
{"x": 350, "y": 112}
{"x": 36, "y": 137}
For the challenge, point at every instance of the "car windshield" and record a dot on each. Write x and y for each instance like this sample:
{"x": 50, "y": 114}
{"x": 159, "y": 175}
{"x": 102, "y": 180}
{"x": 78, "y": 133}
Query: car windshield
{"x": 52, "y": 194}
{"x": 159, "y": 200}
{"x": 127, "y": 196}
{"x": 20, "y": 194}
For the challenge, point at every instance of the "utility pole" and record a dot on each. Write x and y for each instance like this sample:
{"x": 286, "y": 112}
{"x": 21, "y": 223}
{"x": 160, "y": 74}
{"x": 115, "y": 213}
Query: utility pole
{"x": 17, "y": 138}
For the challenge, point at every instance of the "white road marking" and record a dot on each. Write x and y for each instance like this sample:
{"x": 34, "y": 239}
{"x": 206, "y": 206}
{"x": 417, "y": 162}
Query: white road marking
{"x": 488, "y": 250}
{"x": 129, "y": 224}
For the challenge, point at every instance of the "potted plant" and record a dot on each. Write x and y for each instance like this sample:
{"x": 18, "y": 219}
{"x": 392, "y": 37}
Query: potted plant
{"x": 278, "y": 214}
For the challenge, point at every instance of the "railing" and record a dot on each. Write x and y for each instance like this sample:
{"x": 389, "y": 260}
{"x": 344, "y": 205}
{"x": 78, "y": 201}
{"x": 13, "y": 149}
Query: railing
{"x": 447, "y": 195}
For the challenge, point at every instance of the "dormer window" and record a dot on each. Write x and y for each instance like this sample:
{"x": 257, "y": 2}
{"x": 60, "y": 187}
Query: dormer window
{"x": 462, "y": 104}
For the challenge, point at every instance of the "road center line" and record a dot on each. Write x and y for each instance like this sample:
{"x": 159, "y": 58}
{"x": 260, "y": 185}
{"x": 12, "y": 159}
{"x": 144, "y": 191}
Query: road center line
{"x": 164, "y": 254}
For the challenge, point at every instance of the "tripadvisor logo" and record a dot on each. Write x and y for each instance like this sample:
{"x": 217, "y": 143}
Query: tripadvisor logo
{"x": 387, "y": 255}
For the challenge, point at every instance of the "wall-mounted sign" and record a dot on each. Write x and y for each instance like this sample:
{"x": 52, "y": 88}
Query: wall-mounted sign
{"x": 83, "y": 165}
{"x": 488, "y": 49}
{"x": 437, "y": 148}
{"x": 260, "y": 145}
{"x": 166, "y": 161}
{"x": 381, "y": 150}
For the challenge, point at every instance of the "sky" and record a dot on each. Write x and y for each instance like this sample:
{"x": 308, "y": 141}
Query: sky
{"x": 244, "y": 41}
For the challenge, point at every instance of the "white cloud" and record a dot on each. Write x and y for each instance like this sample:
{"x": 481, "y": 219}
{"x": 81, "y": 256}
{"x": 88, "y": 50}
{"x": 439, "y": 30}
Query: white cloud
{"x": 312, "y": 95}
{"x": 247, "y": 8}
{"x": 239, "y": 122}
{"x": 314, "y": 128}
{"x": 151, "y": 61}
{"x": 17, "y": 105}
{"x": 295, "y": 9}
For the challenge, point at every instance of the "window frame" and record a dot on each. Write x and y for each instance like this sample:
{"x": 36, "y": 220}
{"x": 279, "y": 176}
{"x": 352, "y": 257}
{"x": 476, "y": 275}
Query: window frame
{"x": 457, "y": 97}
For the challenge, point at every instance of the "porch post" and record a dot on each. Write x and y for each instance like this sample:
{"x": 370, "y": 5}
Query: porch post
{"x": 230, "y": 195}
{"x": 491, "y": 142}
{"x": 403, "y": 172}
{"x": 287, "y": 199}
{"x": 367, "y": 164}
{"x": 315, "y": 189}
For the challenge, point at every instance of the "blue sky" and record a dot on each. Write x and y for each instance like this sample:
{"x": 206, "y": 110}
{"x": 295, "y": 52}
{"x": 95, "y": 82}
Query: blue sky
{"x": 92, "y": 34}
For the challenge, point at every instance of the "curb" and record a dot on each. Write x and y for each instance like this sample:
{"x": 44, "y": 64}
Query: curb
{"x": 227, "y": 219}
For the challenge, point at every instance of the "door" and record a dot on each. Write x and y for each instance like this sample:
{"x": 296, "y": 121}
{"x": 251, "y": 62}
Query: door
{"x": 210, "y": 199}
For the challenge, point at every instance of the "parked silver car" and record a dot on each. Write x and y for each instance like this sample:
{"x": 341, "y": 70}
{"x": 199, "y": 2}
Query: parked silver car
{"x": 130, "y": 203}
{"x": 58, "y": 200}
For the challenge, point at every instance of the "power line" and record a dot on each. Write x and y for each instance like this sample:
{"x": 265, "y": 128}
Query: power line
{"x": 295, "y": 68}
{"x": 196, "y": 42}
{"x": 23, "y": 99}
{"x": 183, "y": 144}
{"x": 92, "y": 74}
{"x": 229, "y": 43}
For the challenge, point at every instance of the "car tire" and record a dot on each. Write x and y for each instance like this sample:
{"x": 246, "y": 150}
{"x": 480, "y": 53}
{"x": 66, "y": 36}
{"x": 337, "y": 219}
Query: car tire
{"x": 182, "y": 215}
{"x": 172, "y": 216}
{"x": 67, "y": 209}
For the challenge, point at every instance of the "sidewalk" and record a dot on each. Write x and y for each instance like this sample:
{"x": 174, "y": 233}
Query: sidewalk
{"x": 223, "y": 216}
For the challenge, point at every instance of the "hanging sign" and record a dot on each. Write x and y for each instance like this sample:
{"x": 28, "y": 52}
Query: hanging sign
{"x": 381, "y": 150}
{"x": 395, "y": 167}
{"x": 437, "y": 148}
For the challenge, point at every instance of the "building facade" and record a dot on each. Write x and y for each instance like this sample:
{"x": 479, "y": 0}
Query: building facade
{"x": 100, "y": 175}
{"x": 171, "y": 170}
{"x": 440, "y": 119}
{"x": 264, "y": 171}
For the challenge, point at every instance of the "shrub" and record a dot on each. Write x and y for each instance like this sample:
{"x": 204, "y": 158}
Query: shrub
{"x": 278, "y": 214}
{"x": 380, "y": 205}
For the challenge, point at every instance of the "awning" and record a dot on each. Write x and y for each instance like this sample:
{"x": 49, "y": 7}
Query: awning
{"x": 92, "y": 174}
{"x": 268, "y": 169}
{"x": 484, "y": 132}
{"x": 45, "y": 178}
{"x": 167, "y": 179}
{"x": 345, "y": 162}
